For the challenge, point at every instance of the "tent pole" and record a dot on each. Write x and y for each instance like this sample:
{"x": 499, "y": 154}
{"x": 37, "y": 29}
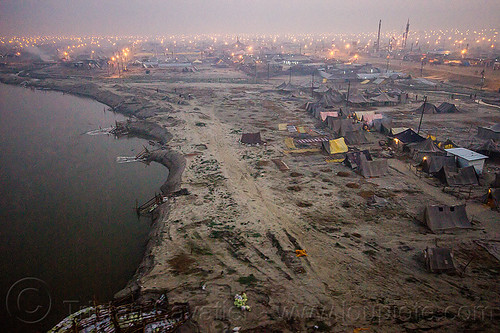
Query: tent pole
{"x": 422, "y": 115}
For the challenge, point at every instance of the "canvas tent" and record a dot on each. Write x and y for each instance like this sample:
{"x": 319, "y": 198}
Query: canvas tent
{"x": 442, "y": 218}
{"x": 439, "y": 260}
{"x": 429, "y": 108}
{"x": 492, "y": 199}
{"x": 370, "y": 169}
{"x": 356, "y": 137}
{"x": 452, "y": 176}
{"x": 336, "y": 146}
{"x": 353, "y": 158}
{"x": 324, "y": 115}
{"x": 447, "y": 108}
{"x": 492, "y": 132}
{"x": 251, "y": 139}
{"x": 489, "y": 148}
{"x": 383, "y": 125}
{"x": 401, "y": 140}
{"x": 426, "y": 148}
{"x": 433, "y": 164}
{"x": 384, "y": 99}
{"x": 358, "y": 99}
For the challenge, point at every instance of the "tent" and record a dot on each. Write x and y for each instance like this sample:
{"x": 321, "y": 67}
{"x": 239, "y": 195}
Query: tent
{"x": 489, "y": 148}
{"x": 336, "y": 124}
{"x": 447, "y": 108}
{"x": 383, "y": 125}
{"x": 452, "y": 176}
{"x": 433, "y": 164}
{"x": 426, "y": 148}
{"x": 496, "y": 182}
{"x": 429, "y": 108}
{"x": 369, "y": 169}
{"x": 331, "y": 98}
{"x": 251, "y": 139}
{"x": 333, "y": 114}
{"x": 358, "y": 99}
{"x": 355, "y": 137}
{"x": 492, "y": 199}
{"x": 384, "y": 99}
{"x": 447, "y": 144}
{"x": 336, "y": 146}
{"x": 439, "y": 260}
{"x": 442, "y": 218}
{"x": 492, "y": 132}
{"x": 401, "y": 140}
{"x": 353, "y": 158}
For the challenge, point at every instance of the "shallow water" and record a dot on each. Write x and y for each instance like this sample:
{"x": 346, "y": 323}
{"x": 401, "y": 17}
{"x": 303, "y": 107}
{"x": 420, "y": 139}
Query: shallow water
{"x": 66, "y": 206}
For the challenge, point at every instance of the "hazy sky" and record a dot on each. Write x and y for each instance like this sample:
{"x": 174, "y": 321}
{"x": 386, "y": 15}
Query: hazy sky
{"x": 143, "y": 17}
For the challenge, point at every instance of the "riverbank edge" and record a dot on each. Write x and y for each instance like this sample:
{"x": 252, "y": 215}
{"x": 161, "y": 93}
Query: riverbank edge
{"x": 174, "y": 161}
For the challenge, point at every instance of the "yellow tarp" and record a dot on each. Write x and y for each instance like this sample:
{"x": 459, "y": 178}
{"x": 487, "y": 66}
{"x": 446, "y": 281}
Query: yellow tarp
{"x": 365, "y": 82}
{"x": 282, "y": 127}
{"x": 338, "y": 160}
{"x": 300, "y": 151}
{"x": 338, "y": 146}
{"x": 433, "y": 138}
{"x": 301, "y": 129}
{"x": 289, "y": 143}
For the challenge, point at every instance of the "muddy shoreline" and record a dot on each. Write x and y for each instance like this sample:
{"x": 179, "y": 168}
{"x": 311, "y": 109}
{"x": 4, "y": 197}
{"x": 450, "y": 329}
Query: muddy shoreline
{"x": 174, "y": 161}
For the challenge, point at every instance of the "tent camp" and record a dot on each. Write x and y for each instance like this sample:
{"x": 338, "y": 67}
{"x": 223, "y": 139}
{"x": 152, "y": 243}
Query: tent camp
{"x": 451, "y": 176}
{"x": 251, "y": 139}
{"x": 492, "y": 132}
{"x": 447, "y": 108}
{"x": 442, "y": 218}
{"x": 429, "y": 108}
{"x": 336, "y": 146}
{"x": 370, "y": 169}
{"x": 439, "y": 260}
{"x": 433, "y": 164}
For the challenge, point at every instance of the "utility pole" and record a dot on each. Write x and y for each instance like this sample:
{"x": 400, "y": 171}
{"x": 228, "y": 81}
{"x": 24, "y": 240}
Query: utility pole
{"x": 268, "y": 66}
{"x": 422, "y": 115}
{"x": 348, "y": 92}
{"x": 422, "y": 67}
{"x": 378, "y": 36}
{"x": 312, "y": 85}
{"x": 290, "y": 80}
{"x": 406, "y": 34}
{"x": 482, "y": 79}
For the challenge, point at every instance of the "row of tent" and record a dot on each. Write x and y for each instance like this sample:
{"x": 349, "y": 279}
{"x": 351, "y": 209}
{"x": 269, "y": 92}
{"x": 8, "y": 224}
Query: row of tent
{"x": 429, "y": 108}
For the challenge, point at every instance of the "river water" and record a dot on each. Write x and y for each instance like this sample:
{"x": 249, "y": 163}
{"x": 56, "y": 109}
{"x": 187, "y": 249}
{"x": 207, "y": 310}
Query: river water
{"x": 67, "y": 218}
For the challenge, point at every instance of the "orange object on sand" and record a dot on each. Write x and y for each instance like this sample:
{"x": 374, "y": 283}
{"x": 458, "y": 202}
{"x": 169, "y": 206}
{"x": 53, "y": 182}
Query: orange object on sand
{"x": 300, "y": 253}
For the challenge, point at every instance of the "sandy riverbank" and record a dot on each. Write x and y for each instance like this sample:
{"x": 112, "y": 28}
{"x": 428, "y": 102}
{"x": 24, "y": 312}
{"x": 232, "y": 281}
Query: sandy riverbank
{"x": 239, "y": 227}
